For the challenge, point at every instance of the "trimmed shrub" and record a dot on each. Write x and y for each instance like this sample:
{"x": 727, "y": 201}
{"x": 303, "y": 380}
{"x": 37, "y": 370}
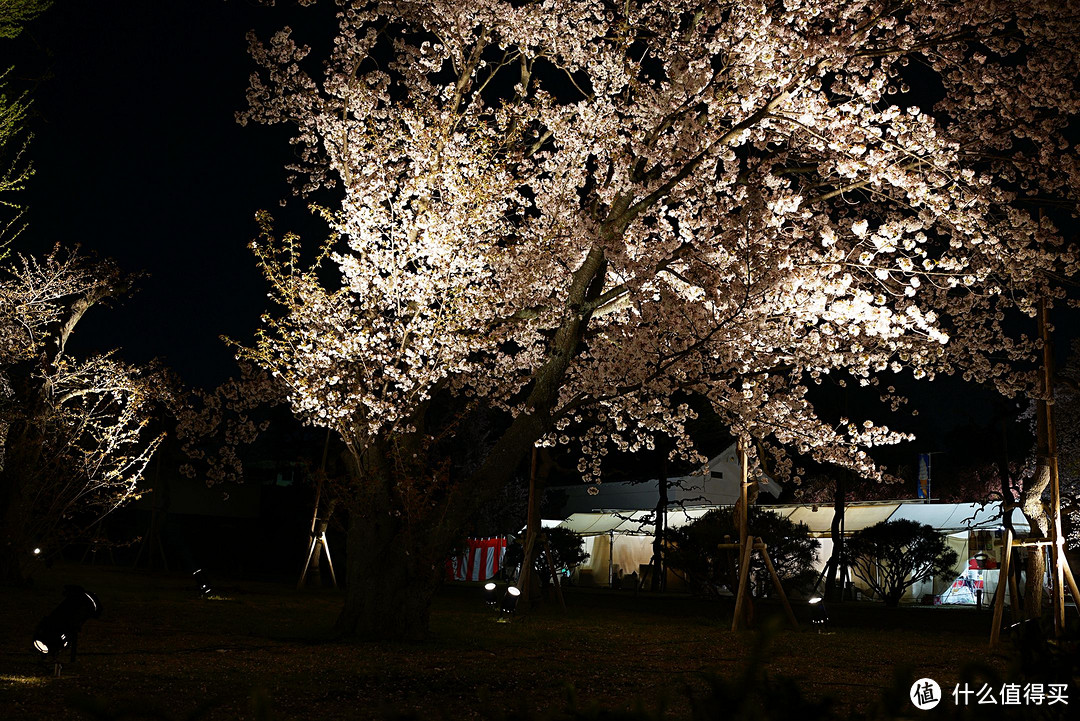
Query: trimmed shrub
{"x": 692, "y": 552}
{"x": 891, "y": 556}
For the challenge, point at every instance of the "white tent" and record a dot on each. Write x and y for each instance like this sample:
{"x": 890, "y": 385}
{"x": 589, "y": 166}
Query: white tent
{"x": 620, "y": 542}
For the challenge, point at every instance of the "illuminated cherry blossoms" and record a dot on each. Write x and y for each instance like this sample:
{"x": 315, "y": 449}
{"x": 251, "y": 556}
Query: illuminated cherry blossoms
{"x": 572, "y": 209}
{"x": 74, "y": 440}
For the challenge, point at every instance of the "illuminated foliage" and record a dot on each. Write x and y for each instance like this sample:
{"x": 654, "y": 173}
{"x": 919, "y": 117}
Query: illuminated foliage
{"x": 73, "y": 436}
{"x": 571, "y": 210}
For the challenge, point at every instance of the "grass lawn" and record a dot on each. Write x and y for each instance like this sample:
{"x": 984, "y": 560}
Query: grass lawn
{"x": 261, "y": 650}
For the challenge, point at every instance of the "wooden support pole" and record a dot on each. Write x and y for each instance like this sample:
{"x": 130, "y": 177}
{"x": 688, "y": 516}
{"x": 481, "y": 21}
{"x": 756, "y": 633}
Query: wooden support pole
{"x": 743, "y": 591}
{"x": 1071, "y": 580}
{"x": 743, "y": 486}
{"x": 776, "y": 583}
{"x": 999, "y": 595}
{"x": 307, "y": 563}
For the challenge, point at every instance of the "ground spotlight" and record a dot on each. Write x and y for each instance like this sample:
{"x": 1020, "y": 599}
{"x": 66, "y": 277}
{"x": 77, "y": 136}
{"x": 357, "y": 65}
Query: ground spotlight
{"x": 60, "y": 629}
{"x": 37, "y": 551}
{"x": 490, "y": 597}
{"x": 510, "y": 600}
{"x": 819, "y": 615}
{"x": 201, "y": 583}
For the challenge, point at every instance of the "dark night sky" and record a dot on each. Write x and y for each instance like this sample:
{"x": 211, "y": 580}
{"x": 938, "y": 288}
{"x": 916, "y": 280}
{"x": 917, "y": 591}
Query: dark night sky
{"x": 139, "y": 158}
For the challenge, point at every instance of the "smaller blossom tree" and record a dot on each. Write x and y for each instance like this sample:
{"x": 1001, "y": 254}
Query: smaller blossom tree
{"x": 73, "y": 432}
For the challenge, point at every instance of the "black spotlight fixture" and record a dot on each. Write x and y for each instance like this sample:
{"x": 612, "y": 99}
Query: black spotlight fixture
{"x": 202, "y": 584}
{"x": 510, "y": 600}
{"x": 819, "y": 615}
{"x": 490, "y": 597}
{"x": 60, "y": 629}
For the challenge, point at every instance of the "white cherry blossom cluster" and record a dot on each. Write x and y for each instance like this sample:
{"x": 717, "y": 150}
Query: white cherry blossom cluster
{"x": 74, "y": 436}
{"x": 578, "y": 208}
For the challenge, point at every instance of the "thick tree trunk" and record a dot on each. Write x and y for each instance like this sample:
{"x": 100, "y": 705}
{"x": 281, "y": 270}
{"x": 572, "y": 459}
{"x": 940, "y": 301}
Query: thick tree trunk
{"x": 389, "y": 583}
{"x": 396, "y": 549}
{"x": 1032, "y": 506}
{"x": 394, "y": 557}
{"x": 13, "y": 542}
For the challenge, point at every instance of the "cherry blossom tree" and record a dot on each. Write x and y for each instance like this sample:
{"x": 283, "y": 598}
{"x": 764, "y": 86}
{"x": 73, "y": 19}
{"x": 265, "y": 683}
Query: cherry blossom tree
{"x": 15, "y": 169}
{"x": 570, "y": 210}
{"x": 73, "y": 435}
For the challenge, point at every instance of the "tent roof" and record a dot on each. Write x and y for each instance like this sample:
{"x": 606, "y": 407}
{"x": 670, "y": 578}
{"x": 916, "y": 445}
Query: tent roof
{"x": 856, "y": 517}
{"x": 944, "y": 517}
{"x": 635, "y": 523}
{"x": 959, "y": 516}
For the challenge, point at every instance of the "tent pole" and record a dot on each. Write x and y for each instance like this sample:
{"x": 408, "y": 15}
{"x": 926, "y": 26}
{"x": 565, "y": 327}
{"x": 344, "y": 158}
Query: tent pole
{"x": 611, "y": 560}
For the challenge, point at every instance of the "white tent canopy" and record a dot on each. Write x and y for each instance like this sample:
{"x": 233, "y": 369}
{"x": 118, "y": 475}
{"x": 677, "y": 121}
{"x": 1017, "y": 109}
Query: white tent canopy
{"x": 856, "y": 516}
{"x": 619, "y": 542}
{"x": 943, "y": 517}
{"x": 952, "y": 517}
{"x": 629, "y": 523}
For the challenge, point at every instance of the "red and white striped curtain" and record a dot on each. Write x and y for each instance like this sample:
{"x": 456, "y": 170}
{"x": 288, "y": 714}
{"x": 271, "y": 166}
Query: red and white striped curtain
{"x": 481, "y": 560}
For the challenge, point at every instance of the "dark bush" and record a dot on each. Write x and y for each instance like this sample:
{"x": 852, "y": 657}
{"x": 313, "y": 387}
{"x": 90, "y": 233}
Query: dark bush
{"x": 692, "y": 552}
{"x": 890, "y": 556}
{"x": 567, "y": 551}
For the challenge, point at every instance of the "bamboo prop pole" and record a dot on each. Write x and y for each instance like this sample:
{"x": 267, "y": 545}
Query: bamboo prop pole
{"x": 307, "y": 563}
{"x": 776, "y": 583}
{"x": 999, "y": 595}
{"x": 743, "y": 484}
{"x": 1071, "y": 580}
{"x": 311, "y": 556}
{"x": 1057, "y": 549}
{"x": 315, "y": 518}
{"x": 329, "y": 561}
{"x": 554, "y": 574}
{"x": 745, "y": 542}
{"x": 744, "y": 574}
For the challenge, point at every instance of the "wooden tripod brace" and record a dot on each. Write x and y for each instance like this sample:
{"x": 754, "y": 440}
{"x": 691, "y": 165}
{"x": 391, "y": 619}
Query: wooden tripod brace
{"x": 746, "y": 546}
{"x": 1009, "y": 585}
